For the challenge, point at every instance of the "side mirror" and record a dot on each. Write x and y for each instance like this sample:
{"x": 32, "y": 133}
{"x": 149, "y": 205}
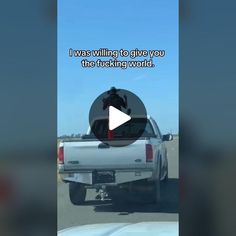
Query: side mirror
{"x": 167, "y": 137}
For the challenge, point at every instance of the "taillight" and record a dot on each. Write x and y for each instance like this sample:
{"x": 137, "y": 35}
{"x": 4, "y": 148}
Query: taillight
{"x": 61, "y": 155}
{"x": 149, "y": 153}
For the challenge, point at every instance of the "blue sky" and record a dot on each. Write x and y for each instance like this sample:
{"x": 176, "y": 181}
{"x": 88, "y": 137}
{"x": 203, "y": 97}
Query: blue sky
{"x": 149, "y": 24}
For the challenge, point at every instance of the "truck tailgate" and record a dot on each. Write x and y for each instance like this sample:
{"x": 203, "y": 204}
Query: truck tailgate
{"x": 87, "y": 155}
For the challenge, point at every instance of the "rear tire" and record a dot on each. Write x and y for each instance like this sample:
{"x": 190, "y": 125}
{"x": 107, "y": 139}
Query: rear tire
{"x": 156, "y": 189}
{"x": 156, "y": 192}
{"x": 167, "y": 176}
{"x": 77, "y": 193}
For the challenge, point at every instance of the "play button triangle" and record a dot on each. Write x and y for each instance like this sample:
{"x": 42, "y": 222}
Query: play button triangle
{"x": 117, "y": 118}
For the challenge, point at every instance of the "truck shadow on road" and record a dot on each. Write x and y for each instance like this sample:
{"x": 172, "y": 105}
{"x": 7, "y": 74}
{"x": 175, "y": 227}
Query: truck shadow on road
{"x": 132, "y": 204}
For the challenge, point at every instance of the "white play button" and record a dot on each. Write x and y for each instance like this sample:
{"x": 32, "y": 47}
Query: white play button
{"x": 117, "y": 118}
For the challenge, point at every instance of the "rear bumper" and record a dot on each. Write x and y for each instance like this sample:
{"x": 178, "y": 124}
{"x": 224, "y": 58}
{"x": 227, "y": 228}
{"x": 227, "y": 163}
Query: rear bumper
{"x": 120, "y": 176}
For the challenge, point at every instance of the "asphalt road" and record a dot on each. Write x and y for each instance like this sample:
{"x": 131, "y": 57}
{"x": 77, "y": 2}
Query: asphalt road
{"x": 105, "y": 212}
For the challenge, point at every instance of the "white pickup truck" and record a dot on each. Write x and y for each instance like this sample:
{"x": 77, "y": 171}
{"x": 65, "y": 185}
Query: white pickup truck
{"x": 137, "y": 168}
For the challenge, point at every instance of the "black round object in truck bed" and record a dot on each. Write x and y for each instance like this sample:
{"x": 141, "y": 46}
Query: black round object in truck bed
{"x": 120, "y": 103}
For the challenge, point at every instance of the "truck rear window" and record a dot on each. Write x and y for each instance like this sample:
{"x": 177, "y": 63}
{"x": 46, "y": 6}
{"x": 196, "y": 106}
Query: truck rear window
{"x": 128, "y": 130}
